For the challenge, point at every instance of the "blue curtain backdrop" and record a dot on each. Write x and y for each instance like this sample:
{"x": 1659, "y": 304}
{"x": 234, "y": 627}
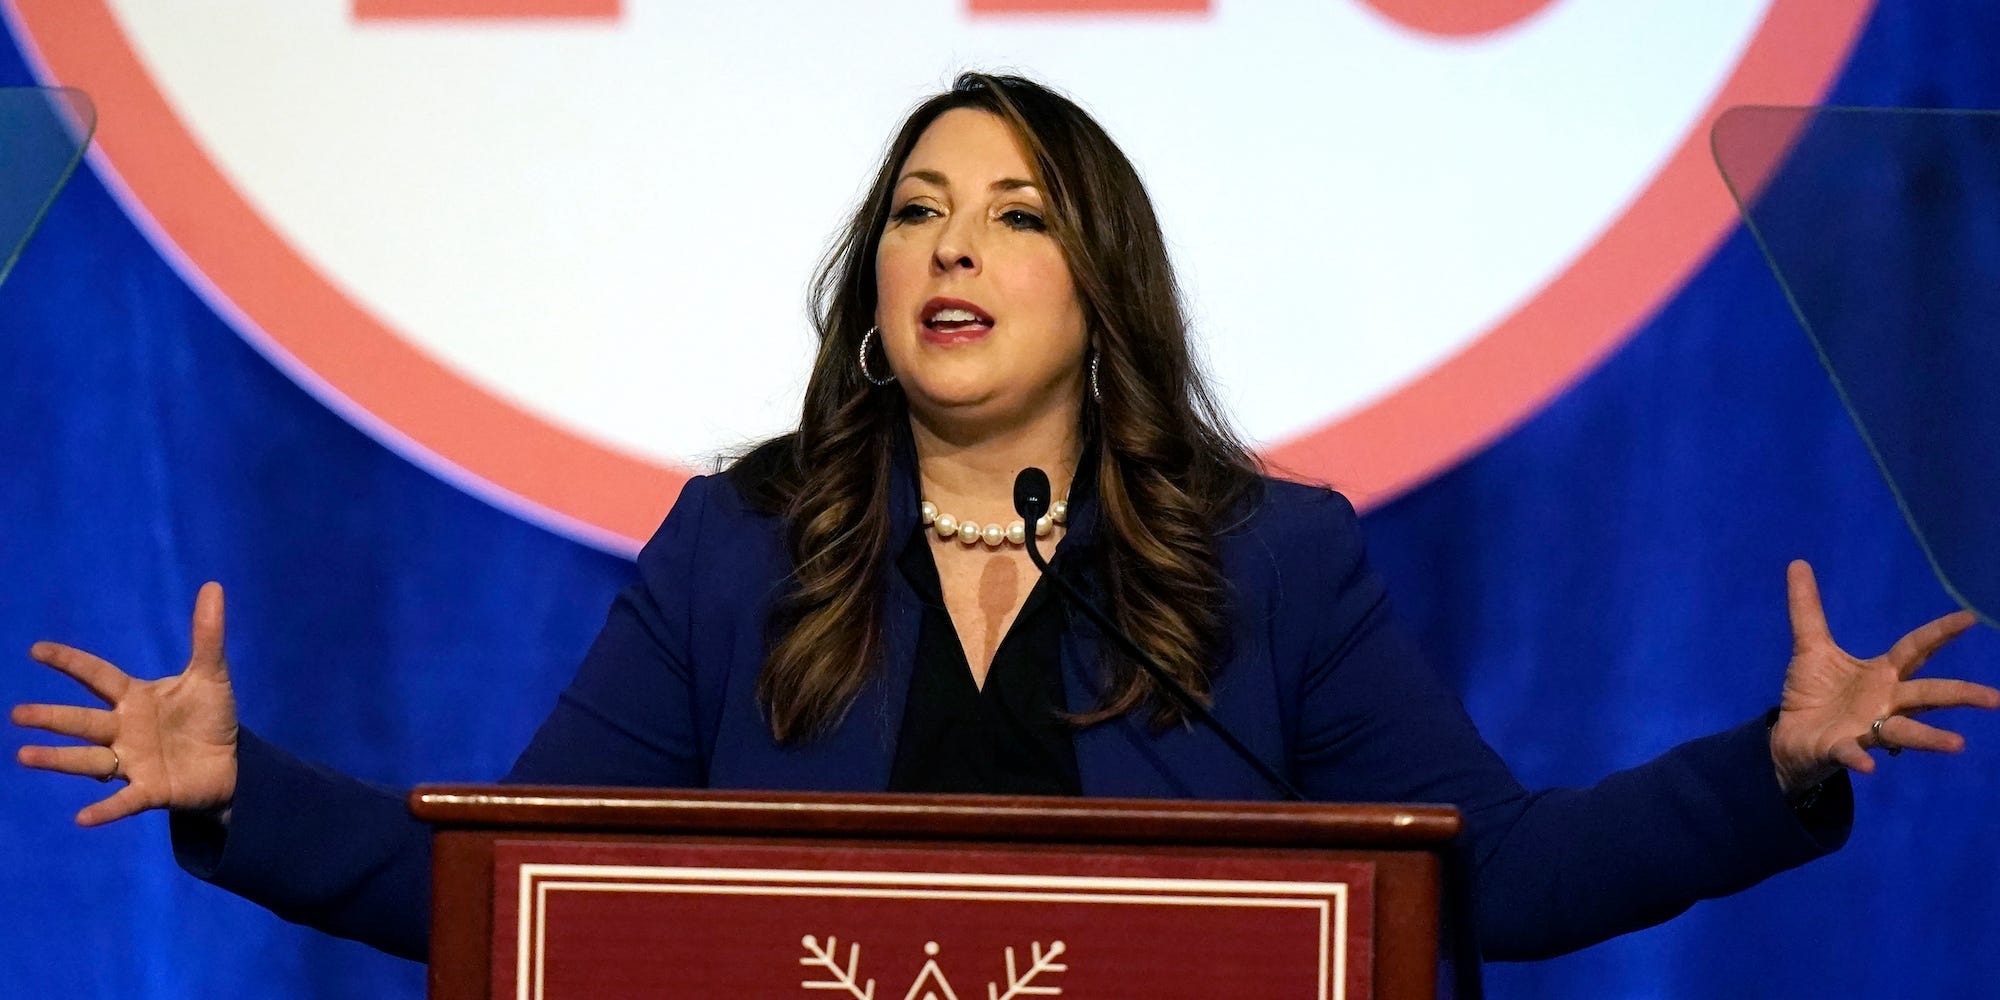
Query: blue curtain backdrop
{"x": 1602, "y": 584}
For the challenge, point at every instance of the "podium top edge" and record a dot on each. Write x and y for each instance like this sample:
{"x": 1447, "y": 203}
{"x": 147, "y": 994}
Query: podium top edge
{"x": 990, "y": 818}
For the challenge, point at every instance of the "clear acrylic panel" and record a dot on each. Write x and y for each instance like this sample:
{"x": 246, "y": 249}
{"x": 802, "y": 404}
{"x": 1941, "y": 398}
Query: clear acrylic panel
{"x": 43, "y": 132}
{"x": 1883, "y": 227}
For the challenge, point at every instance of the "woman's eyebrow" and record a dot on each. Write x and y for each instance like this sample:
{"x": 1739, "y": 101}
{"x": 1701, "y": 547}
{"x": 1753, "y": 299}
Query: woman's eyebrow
{"x": 938, "y": 179}
{"x": 927, "y": 176}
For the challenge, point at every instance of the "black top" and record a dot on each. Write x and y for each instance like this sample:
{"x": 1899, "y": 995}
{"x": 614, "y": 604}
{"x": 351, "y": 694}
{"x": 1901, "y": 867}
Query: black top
{"x": 1008, "y": 738}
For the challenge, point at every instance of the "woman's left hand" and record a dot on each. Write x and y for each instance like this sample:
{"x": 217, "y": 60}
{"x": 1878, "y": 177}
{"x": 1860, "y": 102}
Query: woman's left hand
{"x": 1828, "y": 716}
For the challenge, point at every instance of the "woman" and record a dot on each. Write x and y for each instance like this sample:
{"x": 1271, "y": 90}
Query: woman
{"x": 849, "y": 606}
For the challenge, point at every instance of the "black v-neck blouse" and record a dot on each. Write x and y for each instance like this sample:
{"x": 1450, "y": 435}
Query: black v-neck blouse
{"x": 1008, "y": 738}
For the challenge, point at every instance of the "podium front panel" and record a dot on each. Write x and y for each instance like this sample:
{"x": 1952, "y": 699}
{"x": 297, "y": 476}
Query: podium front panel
{"x": 871, "y": 920}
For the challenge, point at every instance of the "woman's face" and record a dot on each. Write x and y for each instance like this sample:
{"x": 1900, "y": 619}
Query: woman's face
{"x": 978, "y": 313}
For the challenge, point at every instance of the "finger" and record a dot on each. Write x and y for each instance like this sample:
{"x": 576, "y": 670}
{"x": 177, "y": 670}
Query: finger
{"x": 1910, "y": 652}
{"x": 207, "y": 654}
{"x": 1930, "y": 693}
{"x": 90, "y": 762}
{"x": 94, "y": 725}
{"x": 1850, "y": 755}
{"x": 1802, "y": 594}
{"x": 127, "y": 801}
{"x": 1909, "y": 734}
{"x": 104, "y": 680}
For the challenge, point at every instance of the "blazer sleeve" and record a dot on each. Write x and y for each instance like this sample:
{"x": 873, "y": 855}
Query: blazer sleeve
{"x": 343, "y": 856}
{"x": 628, "y": 719}
{"x": 1552, "y": 870}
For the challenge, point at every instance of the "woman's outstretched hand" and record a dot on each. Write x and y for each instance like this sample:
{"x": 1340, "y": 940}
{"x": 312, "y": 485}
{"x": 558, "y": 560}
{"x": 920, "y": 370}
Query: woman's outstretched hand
{"x": 1828, "y": 717}
{"x": 172, "y": 741}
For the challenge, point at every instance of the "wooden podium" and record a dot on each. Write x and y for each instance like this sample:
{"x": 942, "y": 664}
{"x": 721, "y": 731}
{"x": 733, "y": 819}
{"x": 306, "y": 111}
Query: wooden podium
{"x": 615, "y": 893}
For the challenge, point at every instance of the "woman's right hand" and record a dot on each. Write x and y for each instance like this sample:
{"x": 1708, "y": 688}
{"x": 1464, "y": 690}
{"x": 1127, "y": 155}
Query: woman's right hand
{"x": 172, "y": 741}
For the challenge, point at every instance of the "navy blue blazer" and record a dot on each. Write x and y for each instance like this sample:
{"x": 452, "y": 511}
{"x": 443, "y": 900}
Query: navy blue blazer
{"x": 1318, "y": 679}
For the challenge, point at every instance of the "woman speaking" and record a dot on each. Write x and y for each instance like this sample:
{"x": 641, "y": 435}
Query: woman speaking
{"x": 852, "y": 606}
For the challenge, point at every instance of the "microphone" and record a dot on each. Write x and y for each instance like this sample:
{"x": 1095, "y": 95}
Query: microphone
{"x": 1031, "y": 501}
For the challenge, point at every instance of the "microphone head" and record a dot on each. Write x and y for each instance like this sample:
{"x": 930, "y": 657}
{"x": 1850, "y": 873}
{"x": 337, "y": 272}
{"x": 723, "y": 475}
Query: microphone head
{"x": 1031, "y": 495}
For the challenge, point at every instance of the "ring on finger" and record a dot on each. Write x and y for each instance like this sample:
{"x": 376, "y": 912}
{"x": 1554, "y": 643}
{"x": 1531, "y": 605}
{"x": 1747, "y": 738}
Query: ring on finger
{"x": 116, "y": 764}
{"x": 1879, "y": 741}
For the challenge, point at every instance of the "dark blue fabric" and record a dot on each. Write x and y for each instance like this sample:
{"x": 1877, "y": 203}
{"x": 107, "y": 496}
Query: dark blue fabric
{"x": 1320, "y": 682}
{"x": 1901, "y": 329}
{"x": 1600, "y": 585}
{"x": 1610, "y": 575}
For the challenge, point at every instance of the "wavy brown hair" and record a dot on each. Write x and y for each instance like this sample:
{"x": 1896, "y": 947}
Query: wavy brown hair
{"x": 1170, "y": 473}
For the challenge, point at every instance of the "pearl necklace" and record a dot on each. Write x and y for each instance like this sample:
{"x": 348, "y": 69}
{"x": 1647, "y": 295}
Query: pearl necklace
{"x": 996, "y": 534}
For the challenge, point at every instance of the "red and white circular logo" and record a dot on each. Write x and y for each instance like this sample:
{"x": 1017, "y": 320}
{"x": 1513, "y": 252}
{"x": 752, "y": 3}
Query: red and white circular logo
{"x": 556, "y": 250}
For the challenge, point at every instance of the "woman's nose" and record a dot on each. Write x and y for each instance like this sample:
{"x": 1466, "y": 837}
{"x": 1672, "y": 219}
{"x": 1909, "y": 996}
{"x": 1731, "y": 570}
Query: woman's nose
{"x": 954, "y": 251}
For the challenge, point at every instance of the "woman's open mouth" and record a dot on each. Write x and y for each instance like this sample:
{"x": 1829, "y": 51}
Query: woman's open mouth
{"x": 953, "y": 321}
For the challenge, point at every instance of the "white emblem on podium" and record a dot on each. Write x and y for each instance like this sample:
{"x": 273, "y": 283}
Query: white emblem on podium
{"x": 930, "y": 973}
{"x": 930, "y": 983}
{"x": 1023, "y": 985}
{"x": 827, "y": 958}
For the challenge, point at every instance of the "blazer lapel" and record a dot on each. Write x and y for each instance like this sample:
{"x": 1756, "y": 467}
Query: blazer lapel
{"x": 1118, "y": 757}
{"x": 1124, "y": 757}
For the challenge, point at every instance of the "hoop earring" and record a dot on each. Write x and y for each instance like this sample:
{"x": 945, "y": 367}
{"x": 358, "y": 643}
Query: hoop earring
{"x": 1096, "y": 394}
{"x": 866, "y": 338}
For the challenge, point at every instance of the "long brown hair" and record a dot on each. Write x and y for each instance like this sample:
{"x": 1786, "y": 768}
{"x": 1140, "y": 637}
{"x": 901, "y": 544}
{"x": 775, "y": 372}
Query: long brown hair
{"x": 1170, "y": 473}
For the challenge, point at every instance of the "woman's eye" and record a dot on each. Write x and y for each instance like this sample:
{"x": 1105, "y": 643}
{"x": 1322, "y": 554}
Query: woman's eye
{"x": 913, "y": 213}
{"x": 1023, "y": 219}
